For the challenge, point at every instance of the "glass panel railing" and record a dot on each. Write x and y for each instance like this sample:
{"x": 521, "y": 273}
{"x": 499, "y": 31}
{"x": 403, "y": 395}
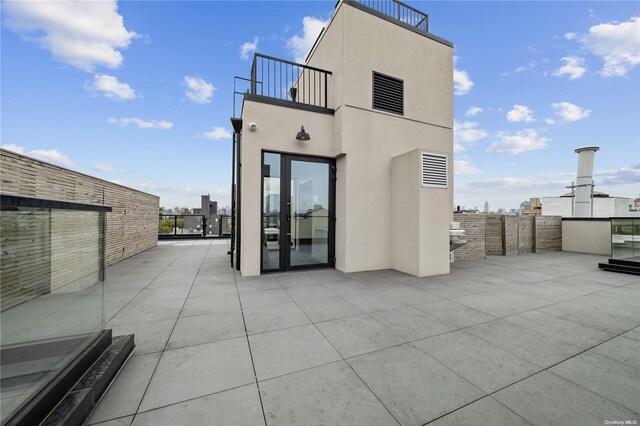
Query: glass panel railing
{"x": 625, "y": 239}
{"x": 185, "y": 224}
{"x": 51, "y": 282}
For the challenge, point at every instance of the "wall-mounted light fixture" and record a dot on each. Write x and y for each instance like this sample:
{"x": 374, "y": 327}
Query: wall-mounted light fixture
{"x": 302, "y": 135}
{"x": 293, "y": 92}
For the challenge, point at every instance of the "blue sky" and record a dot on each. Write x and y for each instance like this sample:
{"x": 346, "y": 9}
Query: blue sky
{"x": 140, "y": 92}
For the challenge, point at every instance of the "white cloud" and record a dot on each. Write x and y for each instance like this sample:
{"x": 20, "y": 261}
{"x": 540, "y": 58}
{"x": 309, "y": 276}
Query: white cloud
{"x": 618, "y": 44}
{"x": 473, "y": 111}
{"x": 517, "y": 142}
{"x": 13, "y": 147}
{"x": 570, "y": 112}
{"x": 570, "y": 36}
{"x": 84, "y": 34}
{"x": 467, "y": 131}
{"x": 574, "y": 67}
{"x": 457, "y": 148}
{"x": 142, "y": 124}
{"x": 49, "y": 155}
{"x": 531, "y": 65}
{"x": 111, "y": 88}
{"x": 465, "y": 167}
{"x": 248, "y": 47}
{"x": 217, "y": 133}
{"x": 520, "y": 113}
{"x": 623, "y": 175}
{"x": 102, "y": 168}
{"x": 550, "y": 121}
{"x": 462, "y": 83}
{"x": 300, "y": 45}
{"x": 198, "y": 90}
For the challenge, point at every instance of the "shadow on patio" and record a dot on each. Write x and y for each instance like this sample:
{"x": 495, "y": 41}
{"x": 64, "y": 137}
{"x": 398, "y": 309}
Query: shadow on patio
{"x": 541, "y": 339}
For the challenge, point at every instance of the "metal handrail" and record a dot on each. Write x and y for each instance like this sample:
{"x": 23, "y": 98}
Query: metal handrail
{"x": 286, "y": 80}
{"x": 400, "y": 11}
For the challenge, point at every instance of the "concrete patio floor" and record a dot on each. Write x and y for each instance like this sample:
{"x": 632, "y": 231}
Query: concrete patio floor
{"x": 540, "y": 339}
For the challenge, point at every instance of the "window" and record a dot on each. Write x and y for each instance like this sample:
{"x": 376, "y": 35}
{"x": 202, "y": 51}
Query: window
{"x": 388, "y": 93}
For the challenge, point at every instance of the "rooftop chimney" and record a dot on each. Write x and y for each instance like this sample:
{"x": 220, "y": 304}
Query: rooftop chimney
{"x": 583, "y": 199}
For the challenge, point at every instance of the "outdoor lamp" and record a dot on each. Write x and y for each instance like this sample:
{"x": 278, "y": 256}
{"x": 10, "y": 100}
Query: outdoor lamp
{"x": 302, "y": 135}
{"x": 293, "y": 92}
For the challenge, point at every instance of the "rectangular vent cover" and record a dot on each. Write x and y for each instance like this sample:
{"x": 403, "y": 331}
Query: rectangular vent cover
{"x": 434, "y": 170}
{"x": 388, "y": 93}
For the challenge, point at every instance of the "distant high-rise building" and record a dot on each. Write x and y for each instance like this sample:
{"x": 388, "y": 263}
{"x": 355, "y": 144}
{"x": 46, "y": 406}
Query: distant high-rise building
{"x": 486, "y": 206}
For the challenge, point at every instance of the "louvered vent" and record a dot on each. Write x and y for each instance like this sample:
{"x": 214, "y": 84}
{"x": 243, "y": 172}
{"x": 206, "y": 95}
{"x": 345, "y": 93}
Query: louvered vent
{"x": 388, "y": 93}
{"x": 434, "y": 170}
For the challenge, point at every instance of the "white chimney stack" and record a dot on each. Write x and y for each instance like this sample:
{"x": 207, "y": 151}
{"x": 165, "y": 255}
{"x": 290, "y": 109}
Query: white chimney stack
{"x": 583, "y": 200}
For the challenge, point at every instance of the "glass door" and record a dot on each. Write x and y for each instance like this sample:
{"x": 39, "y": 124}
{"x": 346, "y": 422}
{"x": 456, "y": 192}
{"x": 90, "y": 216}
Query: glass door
{"x": 298, "y": 212}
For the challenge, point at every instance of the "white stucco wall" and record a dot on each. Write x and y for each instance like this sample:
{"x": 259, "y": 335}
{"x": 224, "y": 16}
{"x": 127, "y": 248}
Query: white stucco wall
{"x": 363, "y": 140}
{"x": 602, "y": 207}
{"x": 587, "y": 236}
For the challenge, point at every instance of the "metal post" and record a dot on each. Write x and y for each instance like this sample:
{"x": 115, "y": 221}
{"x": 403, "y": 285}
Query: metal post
{"x": 326, "y": 90}
{"x": 592, "y": 185}
{"x": 175, "y": 225}
{"x": 204, "y": 226}
{"x": 253, "y": 77}
{"x": 233, "y": 198}
{"x": 572, "y": 197}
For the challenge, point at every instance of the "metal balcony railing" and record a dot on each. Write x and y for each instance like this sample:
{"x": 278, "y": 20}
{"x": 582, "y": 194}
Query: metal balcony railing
{"x": 290, "y": 81}
{"x": 400, "y": 11}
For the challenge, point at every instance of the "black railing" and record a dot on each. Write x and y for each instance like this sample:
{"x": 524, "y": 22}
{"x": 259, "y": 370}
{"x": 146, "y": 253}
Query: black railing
{"x": 289, "y": 81}
{"x": 400, "y": 11}
{"x": 194, "y": 225}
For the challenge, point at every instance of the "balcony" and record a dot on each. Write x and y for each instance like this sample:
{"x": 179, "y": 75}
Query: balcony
{"x": 285, "y": 83}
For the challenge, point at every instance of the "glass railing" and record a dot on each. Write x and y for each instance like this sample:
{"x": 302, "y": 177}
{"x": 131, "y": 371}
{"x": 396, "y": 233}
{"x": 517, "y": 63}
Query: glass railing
{"x": 625, "y": 239}
{"x": 177, "y": 225}
{"x": 51, "y": 282}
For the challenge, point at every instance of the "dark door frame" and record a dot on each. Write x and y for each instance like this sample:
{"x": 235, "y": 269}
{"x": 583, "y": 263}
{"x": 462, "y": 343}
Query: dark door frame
{"x": 285, "y": 217}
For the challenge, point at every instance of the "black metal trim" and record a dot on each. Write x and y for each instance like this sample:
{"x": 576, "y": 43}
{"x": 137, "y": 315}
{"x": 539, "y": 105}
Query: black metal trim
{"x": 287, "y": 104}
{"x": 285, "y": 194}
{"x": 17, "y": 201}
{"x": 397, "y": 22}
{"x": 238, "y": 235}
{"x": 600, "y": 219}
{"x": 273, "y": 58}
{"x": 39, "y": 407}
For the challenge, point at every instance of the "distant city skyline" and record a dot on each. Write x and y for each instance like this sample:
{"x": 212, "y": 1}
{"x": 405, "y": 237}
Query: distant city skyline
{"x": 150, "y": 109}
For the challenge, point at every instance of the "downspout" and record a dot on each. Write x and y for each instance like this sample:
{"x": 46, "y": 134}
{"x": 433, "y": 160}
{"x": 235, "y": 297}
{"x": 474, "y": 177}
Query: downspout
{"x": 235, "y": 192}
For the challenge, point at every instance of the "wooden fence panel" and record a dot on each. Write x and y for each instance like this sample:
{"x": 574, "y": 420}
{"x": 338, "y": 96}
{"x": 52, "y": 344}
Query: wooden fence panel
{"x": 132, "y": 226}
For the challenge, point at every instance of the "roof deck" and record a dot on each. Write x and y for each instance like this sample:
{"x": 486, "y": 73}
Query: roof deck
{"x": 541, "y": 339}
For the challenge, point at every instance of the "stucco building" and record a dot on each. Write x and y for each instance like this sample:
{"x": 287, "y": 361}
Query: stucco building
{"x": 367, "y": 183}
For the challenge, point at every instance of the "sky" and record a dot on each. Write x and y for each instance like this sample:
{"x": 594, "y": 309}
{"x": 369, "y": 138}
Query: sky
{"x": 140, "y": 92}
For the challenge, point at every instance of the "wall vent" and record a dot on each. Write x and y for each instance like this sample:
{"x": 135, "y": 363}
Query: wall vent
{"x": 434, "y": 170}
{"x": 388, "y": 93}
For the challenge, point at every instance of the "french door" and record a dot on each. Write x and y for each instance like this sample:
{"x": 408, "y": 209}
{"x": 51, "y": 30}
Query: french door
{"x": 298, "y": 212}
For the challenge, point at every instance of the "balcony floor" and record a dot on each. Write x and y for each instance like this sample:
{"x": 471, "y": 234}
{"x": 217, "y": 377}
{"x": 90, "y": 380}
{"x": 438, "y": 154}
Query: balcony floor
{"x": 532, "y": 339}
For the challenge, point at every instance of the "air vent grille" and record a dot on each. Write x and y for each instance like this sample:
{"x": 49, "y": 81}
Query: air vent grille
{"x": 388, "y": 93}
{"x": 434, "y": 170}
